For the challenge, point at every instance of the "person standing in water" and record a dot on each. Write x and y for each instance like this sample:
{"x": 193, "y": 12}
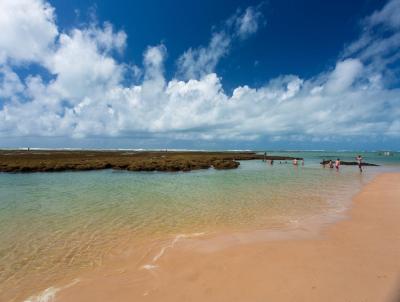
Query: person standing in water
{"x": 295, "y": 162}
{"x": 330, "y": 164}
{"x": 337, "y": 164}
{"x": 359, "y": 162}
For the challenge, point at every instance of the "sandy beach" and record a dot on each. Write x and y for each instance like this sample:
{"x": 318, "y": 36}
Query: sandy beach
{"x": 355, "y": 259}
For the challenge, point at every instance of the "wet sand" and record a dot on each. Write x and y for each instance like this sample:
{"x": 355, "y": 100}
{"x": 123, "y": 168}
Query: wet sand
{"x": 355, "y": 259}
{"x": 53, "y": 161}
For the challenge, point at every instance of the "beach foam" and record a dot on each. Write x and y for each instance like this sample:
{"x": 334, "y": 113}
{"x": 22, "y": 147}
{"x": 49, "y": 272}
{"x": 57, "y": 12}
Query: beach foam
{"x": 173, "y": 242}
{"x": 149, "y": 267}
{"x": 152, "y": 266}
{"x": 49, "y": 294}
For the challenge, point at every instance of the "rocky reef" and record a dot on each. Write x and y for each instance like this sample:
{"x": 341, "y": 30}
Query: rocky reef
{"x": 52, "y": 161}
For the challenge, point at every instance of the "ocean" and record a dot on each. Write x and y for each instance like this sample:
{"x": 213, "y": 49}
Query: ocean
{"x": 55, "y": 226}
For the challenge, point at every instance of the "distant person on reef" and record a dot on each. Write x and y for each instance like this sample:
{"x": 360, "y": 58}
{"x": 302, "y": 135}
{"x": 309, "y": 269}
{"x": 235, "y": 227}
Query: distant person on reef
{"x": 295, "y": 162}
{"x": 359, "y": 162}
{"x": 265, "y": 156}
{"x": 337, "y": 164}
{"x": 302, "y": 162}
{"x": 331, "y": 164}
{"x": 323, "y": 163}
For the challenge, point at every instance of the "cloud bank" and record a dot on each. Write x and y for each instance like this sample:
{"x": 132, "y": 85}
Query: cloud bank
{"x": 87, "y": 94}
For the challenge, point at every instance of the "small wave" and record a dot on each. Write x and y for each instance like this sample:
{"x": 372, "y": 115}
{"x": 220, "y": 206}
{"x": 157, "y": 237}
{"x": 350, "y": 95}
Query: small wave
{"x": 49, "y": 294}
{"x": 173, "y": 242}
{"x": 151, "y": 266}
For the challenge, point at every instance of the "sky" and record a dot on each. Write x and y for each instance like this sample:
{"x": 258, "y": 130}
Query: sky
{"x": 305, "y": 75}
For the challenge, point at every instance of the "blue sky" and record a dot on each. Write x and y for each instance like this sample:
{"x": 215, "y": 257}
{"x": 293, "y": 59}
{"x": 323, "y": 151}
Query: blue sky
{"x": 299, "y": 37}
{"x": 180, "y": 74}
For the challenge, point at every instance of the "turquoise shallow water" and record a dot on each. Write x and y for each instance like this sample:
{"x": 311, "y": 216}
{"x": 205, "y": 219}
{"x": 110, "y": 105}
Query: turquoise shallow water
{"x": 53, "y": 224}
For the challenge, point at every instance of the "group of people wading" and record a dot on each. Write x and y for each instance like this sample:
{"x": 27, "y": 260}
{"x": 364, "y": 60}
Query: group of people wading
{"x": 331, "y": 164}
{"x": 295, "y": 160}
{"x": 336, "y": 165}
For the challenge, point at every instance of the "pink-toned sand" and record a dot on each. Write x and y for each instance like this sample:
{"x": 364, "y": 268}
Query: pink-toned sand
{"x": 356, "y": 259}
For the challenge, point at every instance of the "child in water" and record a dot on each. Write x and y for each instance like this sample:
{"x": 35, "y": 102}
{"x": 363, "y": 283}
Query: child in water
{"x": 337, "y": 164}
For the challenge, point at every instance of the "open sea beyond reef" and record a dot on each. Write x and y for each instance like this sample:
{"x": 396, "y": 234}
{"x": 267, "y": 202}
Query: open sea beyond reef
{"x": 54, "y": 226}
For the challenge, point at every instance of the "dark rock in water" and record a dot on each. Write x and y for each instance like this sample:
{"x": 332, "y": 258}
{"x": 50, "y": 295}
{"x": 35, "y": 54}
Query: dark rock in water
{"x": 225, "y": 164}
{"x": 349, "y": 163}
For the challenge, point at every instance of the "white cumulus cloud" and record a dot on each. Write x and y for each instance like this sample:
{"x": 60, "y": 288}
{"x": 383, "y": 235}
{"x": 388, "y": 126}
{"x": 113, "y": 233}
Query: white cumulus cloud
{"x": 28, "y": 29}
